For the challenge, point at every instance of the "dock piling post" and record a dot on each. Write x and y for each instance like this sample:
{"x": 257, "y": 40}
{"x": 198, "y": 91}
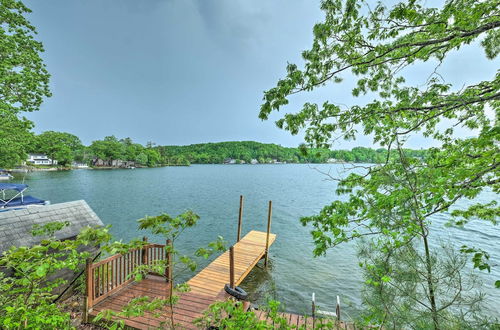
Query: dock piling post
{"x": 231, "y": 267}
{"x": 313, "y": 307}
{"x": 269, "y": 216}
{"x": 240, "y": 216}
{"x": 337, "y": 309}
{"x": 168, "y": 269}
{"x": 145, "y": 252}
{"x": 87, "y": 304}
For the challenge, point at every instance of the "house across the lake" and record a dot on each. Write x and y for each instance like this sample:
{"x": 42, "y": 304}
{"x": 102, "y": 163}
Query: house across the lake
{"x": 40, "y": 159}
{"x": 79, "y": 165}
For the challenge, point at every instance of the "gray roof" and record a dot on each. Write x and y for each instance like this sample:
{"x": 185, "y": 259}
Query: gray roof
{"x": 16, "y": 225}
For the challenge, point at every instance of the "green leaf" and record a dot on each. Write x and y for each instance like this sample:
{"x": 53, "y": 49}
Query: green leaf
{"x": 41, "y": 270}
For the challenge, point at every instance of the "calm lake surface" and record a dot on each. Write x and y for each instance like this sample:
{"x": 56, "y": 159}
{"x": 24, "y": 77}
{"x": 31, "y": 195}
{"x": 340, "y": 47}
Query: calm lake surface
{"x": 120, "y": 197}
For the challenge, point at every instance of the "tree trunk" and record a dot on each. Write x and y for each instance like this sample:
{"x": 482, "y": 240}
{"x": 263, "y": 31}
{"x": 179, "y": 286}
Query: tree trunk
{"x": 430, "y": 284}
{"x": 428, "y": 262}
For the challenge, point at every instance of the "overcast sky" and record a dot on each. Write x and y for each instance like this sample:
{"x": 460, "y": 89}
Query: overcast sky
{"x": 184, "y": 71}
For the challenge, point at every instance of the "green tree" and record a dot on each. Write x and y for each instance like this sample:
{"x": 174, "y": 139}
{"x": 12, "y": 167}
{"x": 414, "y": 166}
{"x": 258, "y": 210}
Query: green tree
{"x": 142, "y": 158}
{"x": 153, "y": 157}
{"x": 24, "y": 81}
{"x": 170, "y": 229}
{"x": 108, "y": 149}
{"x": 82, "y": 155}
{"x": 393, "y": 202}
{"x": 28, "y": 277}
{"x": 394, "y": 281}
{"x": 58, "y": 146}
{"x": 15, "y": 139}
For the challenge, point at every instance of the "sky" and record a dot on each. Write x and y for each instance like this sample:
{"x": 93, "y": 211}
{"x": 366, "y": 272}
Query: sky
{"x": 178, "y": 72}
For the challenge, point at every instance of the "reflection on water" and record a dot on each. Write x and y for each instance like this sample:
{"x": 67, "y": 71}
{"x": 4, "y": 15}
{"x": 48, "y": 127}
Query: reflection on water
{"x": 120, "y": 197}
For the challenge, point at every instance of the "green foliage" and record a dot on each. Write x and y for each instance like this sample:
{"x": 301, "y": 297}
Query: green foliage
{"x": 480, "y": 259}
{"x": 28, "y": 277}
{"x": 395, "y": 292}
{"x": 392, "y": 202}
{"x": 110, "y": 149}
{"x": 142, "y": 158}
{"x": 24, "y": 81}
{"x": 65, "y": 147}
{"x": 217, "y": 153}
{"x": 230, "y": 314}
{"x": 217, "y": 316}
{"x": 169, "y": 228}
{"x": 58, "y": 146}
{"x": 136, "y": 307}
{"x": 15, "y": 138}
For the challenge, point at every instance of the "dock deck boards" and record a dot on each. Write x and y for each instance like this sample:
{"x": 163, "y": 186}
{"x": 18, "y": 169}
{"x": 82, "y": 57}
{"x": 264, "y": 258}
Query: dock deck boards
{"x": 304, "y": 321}
{"x": 247, "y": 253}
{"x": 189, "y": 306}
{"x": 207, "y": 286}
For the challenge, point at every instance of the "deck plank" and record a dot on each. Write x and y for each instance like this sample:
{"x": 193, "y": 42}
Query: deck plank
{"x": 207, "y": 286}
{"x": 247, "y": 253}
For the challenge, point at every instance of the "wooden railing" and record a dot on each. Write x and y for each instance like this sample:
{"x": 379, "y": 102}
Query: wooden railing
{"x": 107, "y": 276}
{"x": 153, "y": 253}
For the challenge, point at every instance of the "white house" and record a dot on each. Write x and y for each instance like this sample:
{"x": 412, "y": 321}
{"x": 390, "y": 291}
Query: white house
{"x": 40, "y": 159}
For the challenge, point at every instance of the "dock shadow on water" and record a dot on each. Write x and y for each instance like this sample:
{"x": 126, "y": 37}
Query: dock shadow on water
{"x": 260, "y": 284}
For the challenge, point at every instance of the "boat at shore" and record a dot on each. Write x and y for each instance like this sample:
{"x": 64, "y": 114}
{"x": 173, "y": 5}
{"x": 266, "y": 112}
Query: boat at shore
{"x": 5, "y": 175}
{"x": 12, "y": 197}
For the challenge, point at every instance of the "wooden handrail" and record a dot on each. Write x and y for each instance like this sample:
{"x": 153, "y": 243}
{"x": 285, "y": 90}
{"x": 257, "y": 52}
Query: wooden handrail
{"x": 108, "y": 259}
{"x": 107, "y": 276}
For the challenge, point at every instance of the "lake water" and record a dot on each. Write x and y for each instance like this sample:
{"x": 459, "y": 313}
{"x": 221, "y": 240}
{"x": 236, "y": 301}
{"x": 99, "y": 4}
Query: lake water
{"x": 120, "y": 197}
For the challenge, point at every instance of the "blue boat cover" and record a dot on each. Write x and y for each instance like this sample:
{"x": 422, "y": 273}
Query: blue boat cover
{"x": 27, "y": 200}
{"x": 13, "y": 186}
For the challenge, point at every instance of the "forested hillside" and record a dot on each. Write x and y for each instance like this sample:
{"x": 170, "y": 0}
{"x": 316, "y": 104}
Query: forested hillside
{"x": 246, "y": 151}
{"x": 67, "y": 148}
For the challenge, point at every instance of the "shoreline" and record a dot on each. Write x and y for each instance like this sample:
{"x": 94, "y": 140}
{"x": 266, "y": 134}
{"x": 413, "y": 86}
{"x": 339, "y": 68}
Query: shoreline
{"x": 55, "y": 169}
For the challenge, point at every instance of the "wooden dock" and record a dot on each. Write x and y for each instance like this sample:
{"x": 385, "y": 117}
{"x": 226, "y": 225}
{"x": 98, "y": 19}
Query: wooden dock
{"x": 247, "y": 253}
{"x": 109, "y": 286}
{"x": 189, "y": 307}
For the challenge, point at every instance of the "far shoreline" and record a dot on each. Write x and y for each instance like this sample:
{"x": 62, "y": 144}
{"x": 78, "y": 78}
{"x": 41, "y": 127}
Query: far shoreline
{"x": 55, "y": 169}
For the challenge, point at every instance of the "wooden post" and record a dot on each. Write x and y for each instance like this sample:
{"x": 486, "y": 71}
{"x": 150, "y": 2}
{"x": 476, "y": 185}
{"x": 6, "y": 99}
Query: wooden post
{"x": 168, "y": 269}
{"x": 87, "y": 304}
{"x": 144, "y": 260}
{"x": 240, "y": 216}
{"x": 337, "y": 309}
{"x": 313, "y": 309}
{"x": 269, "y": 216}
{"x": 231, "y": 267}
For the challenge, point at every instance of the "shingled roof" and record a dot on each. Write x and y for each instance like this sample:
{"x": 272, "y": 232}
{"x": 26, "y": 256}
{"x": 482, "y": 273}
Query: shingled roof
{"x": 16, "y": 225}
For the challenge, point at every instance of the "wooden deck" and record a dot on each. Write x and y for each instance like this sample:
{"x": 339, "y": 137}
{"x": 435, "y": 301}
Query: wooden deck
{"x": 189, "y": 307}
{"x": 112, "y": 292}
{"x": 247, "y": 253}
